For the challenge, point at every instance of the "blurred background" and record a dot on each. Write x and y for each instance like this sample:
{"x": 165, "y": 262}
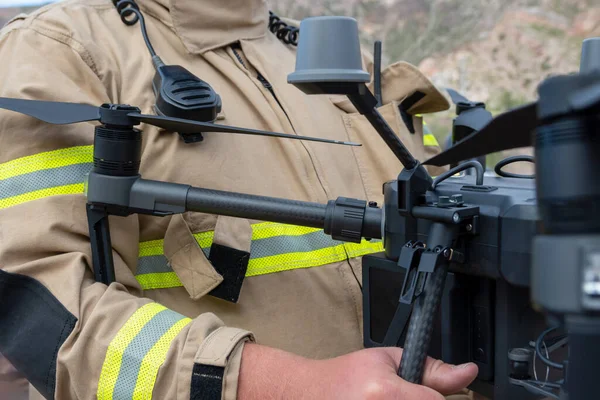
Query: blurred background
{"x": 494, "y": 51}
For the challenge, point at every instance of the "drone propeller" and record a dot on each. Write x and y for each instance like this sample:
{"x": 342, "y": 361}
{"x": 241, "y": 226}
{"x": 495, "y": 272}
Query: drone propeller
{"x": 456, "y": 97}
{"x": 51, "y": 111}
{"x": 510, "y": 130}
{"x": 69, "y": 113}
{"x": 187, "y": 126}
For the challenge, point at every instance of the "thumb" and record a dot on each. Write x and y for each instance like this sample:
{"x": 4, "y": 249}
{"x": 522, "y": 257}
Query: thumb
{"x": 446, "y": 378}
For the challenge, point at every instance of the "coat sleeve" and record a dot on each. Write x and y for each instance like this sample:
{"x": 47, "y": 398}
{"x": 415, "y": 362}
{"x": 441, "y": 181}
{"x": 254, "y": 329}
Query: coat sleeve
{"x": 71, "y": 337}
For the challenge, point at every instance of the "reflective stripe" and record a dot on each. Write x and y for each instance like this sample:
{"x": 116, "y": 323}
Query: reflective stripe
{"x": 137, "y": 351}
{"x": 52, "y": 173}
{"x": 40, "y": 194}
{"x": 430, "y": 140}
{"x": 274, "y": 248}
{"x": 153, "y": 360}
{"x": 161, "y": 280}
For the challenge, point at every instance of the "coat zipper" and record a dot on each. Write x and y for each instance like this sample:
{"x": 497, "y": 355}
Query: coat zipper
{"x": 267, "y": 85}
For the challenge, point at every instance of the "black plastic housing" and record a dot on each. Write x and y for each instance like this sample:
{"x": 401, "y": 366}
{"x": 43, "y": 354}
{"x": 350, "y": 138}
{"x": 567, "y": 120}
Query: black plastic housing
{"x": 567, "y": 144}
{"x": 117, "y": 151}
{"x": 181, "y": 94}
{"x": 485, "y": 308}
{"x": 508, "y": 221}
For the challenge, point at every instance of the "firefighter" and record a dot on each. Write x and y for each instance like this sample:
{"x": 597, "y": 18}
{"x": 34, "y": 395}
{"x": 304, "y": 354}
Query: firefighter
{"x": 165, "y": 330}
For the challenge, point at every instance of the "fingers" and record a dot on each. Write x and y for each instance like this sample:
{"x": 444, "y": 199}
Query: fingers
{"x": 447, "y": 378}
{"x": 395, "y": 353}
{"x": 439, "y": 376}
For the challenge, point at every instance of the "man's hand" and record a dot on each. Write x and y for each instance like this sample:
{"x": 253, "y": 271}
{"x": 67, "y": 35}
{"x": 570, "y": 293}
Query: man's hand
{"x": 369, "y": 374}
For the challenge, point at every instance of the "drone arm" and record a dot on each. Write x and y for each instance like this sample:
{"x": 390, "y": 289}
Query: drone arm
{"x": 344, "y": 219}
{"x": 256, "y": 207}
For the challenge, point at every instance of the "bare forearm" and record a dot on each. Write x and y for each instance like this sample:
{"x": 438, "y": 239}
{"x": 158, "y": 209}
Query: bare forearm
{"x": 268, "y": 373}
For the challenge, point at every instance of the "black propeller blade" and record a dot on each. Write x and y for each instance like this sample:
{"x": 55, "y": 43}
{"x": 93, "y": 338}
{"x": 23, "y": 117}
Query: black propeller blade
{"x": 51, "y": 111}
{"x": 510, "y": 130}
{"x": 60, "y": 113}
{"x": 456, "y": 97}
{"x": 187, "y": 126}
{"x": 473, "y": 118}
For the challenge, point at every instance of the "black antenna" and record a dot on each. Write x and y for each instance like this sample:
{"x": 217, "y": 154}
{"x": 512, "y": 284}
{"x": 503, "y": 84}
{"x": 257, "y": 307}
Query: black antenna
{"x": 377, "y": 72}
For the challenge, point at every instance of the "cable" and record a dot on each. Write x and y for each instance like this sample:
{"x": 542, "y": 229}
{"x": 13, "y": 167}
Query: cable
{"x": 287, "y": 34}
{"x": 535, "y": 365}
{"x": 461, "y": 167}
{"x": 126, "y": 8}
{"x": 538, "y": 344}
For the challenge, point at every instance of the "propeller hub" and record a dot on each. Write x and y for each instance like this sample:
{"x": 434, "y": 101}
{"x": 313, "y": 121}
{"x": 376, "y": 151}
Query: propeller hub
{"x": 118, "y": 115}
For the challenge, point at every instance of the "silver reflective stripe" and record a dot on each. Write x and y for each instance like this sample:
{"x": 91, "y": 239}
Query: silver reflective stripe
{"x": 259, "y": 248}
{"x": 277, "y": 245}
{"x": 137, "y": 350}
{"x": 153, "y": 264}
{"x": 158, "y": 264}
{"x": 44, "y": 179}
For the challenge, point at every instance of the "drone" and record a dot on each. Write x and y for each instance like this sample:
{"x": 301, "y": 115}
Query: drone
{"x": 450, "y": 243}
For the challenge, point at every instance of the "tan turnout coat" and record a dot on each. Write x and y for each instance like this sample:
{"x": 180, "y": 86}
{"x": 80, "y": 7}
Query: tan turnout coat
{"x": 80, "y": 51}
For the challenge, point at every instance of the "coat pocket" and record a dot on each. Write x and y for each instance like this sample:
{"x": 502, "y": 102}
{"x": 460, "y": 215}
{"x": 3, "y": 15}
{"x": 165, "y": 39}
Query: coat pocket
{"x": 209, "y": 257}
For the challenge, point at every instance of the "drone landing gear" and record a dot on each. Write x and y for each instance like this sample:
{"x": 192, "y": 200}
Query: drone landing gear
{"x": 104, "y": 270}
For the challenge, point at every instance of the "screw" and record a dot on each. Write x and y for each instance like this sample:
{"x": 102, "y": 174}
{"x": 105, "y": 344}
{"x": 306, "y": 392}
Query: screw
{"x": 437, "y": 249}
{"x": 456, "y": 218}
{"x": 469, "y": 227}
{"x": 447, "y": 253}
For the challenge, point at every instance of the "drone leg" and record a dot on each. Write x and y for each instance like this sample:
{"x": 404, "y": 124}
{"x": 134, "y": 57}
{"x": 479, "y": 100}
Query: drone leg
{"x": 433, "y": 268}
{"x": 104, "y": 270}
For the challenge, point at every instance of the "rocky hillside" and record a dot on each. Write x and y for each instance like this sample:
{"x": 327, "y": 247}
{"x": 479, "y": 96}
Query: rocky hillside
{"x": 495, "y": 51}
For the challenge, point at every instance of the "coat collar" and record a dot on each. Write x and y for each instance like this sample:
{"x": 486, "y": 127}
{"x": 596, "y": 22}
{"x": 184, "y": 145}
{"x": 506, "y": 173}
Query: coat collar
{"x": 204, "y": 25}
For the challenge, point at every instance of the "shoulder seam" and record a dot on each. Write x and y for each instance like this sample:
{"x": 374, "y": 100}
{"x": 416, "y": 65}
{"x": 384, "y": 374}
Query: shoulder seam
{"x": 54, "y": 6}
{"x": 67, "y": 40}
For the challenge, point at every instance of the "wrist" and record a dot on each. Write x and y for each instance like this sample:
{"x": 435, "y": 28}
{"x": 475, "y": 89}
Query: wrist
{"x": 271, "y": 373}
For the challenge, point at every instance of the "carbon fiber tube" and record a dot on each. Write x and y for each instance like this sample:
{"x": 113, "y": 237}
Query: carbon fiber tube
{"x": 420, "y": 327}
{"x": 425, "y": 308}
{"x": 256, "y": 207}
{"x": 365, "y": 103}
{"x": 391, "y": 139}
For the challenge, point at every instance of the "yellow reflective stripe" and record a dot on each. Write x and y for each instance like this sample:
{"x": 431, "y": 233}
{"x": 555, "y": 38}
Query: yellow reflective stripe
{"x": 289, "y": 261}
{"x": 430, "y": 140}
{"x": 204, "y": 239}
{"x": 265, "y": 230}
{"x": 151, "y": 248}
{"x": 262, "y": 230}
{"x": 158, "y": 280}
{"x": 116, "y": 348}
{"x": 309, "y": 259}
{"x": 76, "y": 188}
{"x": 360, "y": 249}
{"x": 259, "y": 265}
{"x": 153, "y": 360}
{"x": 46, "y": 160}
